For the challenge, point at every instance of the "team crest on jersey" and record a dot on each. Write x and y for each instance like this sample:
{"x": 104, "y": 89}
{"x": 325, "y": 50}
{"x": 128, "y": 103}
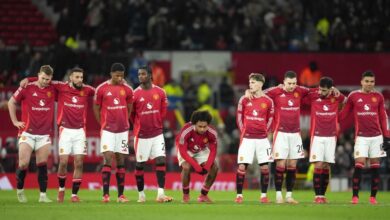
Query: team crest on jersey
{"x": 332, "y": 100}
{"x": 374, "y": 99}
{"x": 313, "y": 157}
{"x": 296, "y": 95}
{"x": 263, "y": 105}
{"x": 61, "y": 150}
{"x": 49, "y": 94}
{"x": 206, "y": 140}
{"x": 82, "y": 93}
{"x": 122, "y": 92}
{"x": 156, "y": 96}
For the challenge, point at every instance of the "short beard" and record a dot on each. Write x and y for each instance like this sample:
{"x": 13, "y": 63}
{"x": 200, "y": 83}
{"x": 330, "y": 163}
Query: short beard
{"x": 77, "y": 87}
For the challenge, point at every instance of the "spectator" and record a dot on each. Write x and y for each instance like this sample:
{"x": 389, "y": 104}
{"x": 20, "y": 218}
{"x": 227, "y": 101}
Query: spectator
{"x": 310, "y": 76}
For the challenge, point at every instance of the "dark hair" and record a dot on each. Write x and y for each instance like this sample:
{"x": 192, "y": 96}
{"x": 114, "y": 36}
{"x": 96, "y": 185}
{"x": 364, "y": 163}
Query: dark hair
{"x": 201, "y": 116}
{"x": 147, "y": 68}
{"x": 326, "y": 82}
{"x": 47, "y": 69}
{"x": 368, "y": 73}
{"x": 290, "y": 74}
{"x": 117, "y": 67}
{"x": 76, "y": 69}
{"x": 257, "y": 77}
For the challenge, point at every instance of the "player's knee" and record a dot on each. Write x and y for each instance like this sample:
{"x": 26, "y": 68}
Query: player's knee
{"x": 186, "y": 167}
{"x": 241, "y": 168}
{"x": 160, "y": 161}
{"x": 139, "y": 166}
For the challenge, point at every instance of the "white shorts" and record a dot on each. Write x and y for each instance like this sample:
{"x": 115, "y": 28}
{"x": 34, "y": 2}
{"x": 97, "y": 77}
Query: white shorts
{"x": 323, "y": 149}
{"x": 72, "y": 141}
{"x": 115, "y": 142}
{"x": 35, "y": 141}
{"x": 369, "y": 147}
{"x": 249, "y": 148}
{"x": 287, "y": 146}
{"x": 200, "y": 157}
{"x": 149, "y": 148}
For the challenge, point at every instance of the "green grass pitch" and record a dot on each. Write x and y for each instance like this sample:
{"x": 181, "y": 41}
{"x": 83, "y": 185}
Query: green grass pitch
{"x": 222, "y": 208}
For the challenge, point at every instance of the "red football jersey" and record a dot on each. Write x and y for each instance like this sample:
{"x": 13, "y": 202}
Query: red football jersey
{"x": 369, "y": 113}
{"x": 37, "y": 108}
{"x": 287, "y": 107}
{"x": 189, "y": 140}
{"x": 114, "y": 100}
{"x": 149, "y": 109}
{"x": 72, "y": 104}
{"x": 254, "y": 116}
{"x": 324, "y": 114}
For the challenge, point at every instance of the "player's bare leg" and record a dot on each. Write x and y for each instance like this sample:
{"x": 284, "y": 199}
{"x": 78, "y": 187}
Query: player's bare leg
{"x": 356, "y": 178}
{"x": 24, "y": 155}
{"x": 41, "y": 159}
{"x": 62, "y": 171}
{"x": 279, "y": 175}
{"x": 120, "y": 176}
{"x": 240, "y": 179}
{"x": 374, "y": 169}
{"x": 77, "y": 176}
{"x": 185, "y": 180}
{"x": 160, "y": 174}
{"x": 317, "y": 182}
{"x": 106, "y": 174}
{"x": 290, "y": 180}
{"x": 210, "y": 178}
{"x": 139, "y": 177}
{"x": 264, "y": 182}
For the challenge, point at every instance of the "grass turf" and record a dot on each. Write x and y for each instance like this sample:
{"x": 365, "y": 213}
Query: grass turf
{"x": 223, "y": 207}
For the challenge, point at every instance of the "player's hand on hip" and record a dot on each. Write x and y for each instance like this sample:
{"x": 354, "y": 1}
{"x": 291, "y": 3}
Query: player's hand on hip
{"x": 19, "y": 124}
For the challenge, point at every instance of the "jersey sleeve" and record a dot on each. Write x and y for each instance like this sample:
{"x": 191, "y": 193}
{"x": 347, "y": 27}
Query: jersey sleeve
{"x": 270, "y": 115}
{"x": 303, "y": 90}
{"x": 213, "y": 149}
{"x": 182, "y": 145}
{"x": 347, "y": 109}
{"x": 19, "y": 94}
{"x": 272, "y": 92}
{"x": 164, "y": 104}
{"x": 384, "y": 122}
{"x": 130, "y": 96}
{"x": 240, "y": 113}
{"x": 98, "y": 98}
{"x": 58, "y": 85}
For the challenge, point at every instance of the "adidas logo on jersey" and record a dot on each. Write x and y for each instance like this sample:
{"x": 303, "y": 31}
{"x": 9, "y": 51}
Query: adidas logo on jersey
{"x": 283, "y": 95}
{"x": 249, "y": 104}
{"x": 141, "y": 99}
{"x": 109, "y": 94}
{"x": 360, "y": 100}
{"x": 318, "y": 100}
{"x": 34, "y": 94}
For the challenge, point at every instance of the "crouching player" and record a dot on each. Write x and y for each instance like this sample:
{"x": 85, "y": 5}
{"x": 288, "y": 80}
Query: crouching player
{"x": 197, "y": 148}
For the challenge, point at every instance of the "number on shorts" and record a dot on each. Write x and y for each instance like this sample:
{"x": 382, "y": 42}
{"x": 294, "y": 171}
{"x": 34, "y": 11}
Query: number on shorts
{"x": 300, "y": 148}
{"x": 124, "y": 144}
{"x": 268, "y": 151}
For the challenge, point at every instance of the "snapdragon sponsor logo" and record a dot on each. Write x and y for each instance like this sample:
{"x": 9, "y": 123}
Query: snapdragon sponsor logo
{"x": 116, "y": 107}
{"x": 73, "y": 105}
{"x": 366, "y": 113}
{"x": 40, "y": 109}
{"x": 254, "y": 118}
{"x": 149, "y": 112}
{"x": 290, "y": 108}
{"x": 325, "y": 113}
